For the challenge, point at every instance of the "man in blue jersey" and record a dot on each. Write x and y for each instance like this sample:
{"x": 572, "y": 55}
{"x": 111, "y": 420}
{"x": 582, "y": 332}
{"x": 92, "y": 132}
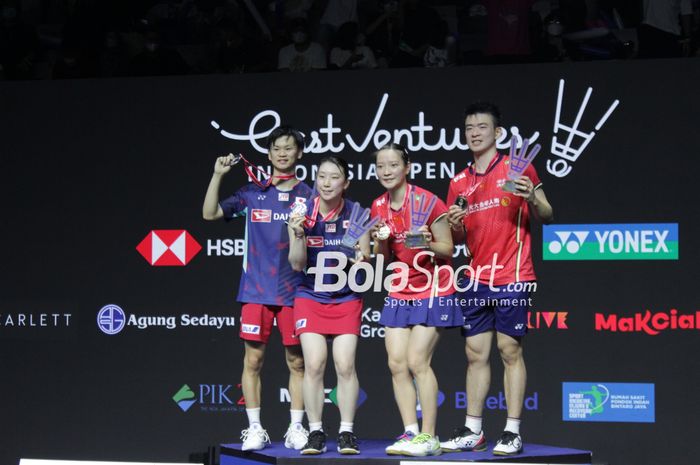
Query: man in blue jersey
{"x": 268, "y": 283}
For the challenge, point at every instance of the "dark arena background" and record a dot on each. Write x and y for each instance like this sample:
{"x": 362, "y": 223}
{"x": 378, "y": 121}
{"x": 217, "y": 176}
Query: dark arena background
{"x": 92, "y": 168}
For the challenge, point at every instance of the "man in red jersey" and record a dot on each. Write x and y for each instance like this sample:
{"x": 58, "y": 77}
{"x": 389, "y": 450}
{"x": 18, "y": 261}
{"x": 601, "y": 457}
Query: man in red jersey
{"x": 495, "y": 225}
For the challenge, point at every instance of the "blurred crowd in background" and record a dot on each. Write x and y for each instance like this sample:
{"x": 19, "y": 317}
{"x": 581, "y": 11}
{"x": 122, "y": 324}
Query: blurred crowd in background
{"x": 59, "y": 39}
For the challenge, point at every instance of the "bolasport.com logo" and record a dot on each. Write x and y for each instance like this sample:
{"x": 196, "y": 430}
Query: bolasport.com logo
{"x": 112, "y": 319}
{"x": 652, "y": 241}
{"x": 168, "y": 247}
{"x": 651, "y": 323}
{"x": 210, "y": 398}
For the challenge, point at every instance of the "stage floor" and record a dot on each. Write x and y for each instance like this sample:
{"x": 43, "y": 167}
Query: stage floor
{"x": 372, "y": 453}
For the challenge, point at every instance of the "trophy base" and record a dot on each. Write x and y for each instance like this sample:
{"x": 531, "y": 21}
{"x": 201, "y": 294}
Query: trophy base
{"x": 415, "y": 241}
{"x": 509, "y": 186}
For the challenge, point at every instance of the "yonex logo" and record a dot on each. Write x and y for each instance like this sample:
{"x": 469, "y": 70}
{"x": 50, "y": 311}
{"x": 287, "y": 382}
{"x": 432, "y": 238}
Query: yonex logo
{"x": 638, "y": 241}
{"x": 571, "y": 240}
{"x": 168, "y": 247}
{"x": 301, "y": 323}
{"x": 111, "y": 319}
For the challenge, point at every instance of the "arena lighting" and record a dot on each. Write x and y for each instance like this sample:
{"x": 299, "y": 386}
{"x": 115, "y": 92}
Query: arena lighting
{"x": 91, "y": 462}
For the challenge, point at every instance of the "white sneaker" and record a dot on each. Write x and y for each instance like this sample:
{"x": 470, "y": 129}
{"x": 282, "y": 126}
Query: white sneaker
{"x": 464, "y": 439}
{"x": 508, "y": 444}
{"x": 422, "y": 445}
{"x": 295, "y": 437}
{"x": 254, "y": 438}
{"x": 397, "y": 447}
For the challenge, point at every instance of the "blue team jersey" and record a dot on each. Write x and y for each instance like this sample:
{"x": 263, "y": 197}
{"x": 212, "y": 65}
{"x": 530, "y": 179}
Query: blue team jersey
{"x": 267, "y": 276}
{"x": 324, "y": 237}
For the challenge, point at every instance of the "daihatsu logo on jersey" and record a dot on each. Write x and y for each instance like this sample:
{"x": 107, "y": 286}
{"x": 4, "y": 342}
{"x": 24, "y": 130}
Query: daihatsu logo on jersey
{"x": 260, "y": 216}
{"x": 168, "y": 247}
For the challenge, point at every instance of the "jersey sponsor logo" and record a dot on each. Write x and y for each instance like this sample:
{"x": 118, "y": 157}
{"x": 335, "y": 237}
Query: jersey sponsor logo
{"x": 283, "y": 196}
{"x": 380, "y": 201}
{"x": 301, "y": 323}
{"x": 261, "y": 197}
{"x": 459, "y": 177}
{"x": 314, "y": 241}
{"x": 484, "y": 205}
{"x": 168, "y": 247}
{"x": 652, "y": 241}
{"x": 260, "y": 216}
{"x": 250, "y": 329}
{"x": 330, "y": 227}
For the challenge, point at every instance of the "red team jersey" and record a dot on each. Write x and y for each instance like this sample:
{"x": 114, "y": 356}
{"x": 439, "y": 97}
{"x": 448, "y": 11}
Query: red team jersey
{"x": 400, "y": 222}
{"x": 497, "y": 222}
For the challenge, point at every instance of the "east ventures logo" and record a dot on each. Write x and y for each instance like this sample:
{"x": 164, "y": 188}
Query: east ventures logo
{"x": 168, "y": 247}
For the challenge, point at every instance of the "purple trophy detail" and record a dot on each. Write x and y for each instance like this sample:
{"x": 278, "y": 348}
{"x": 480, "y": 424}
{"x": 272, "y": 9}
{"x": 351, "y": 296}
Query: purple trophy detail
{"x": 420, "y": 212}
{"x": 519, "y": 161}
{"x": 358, "y": 225}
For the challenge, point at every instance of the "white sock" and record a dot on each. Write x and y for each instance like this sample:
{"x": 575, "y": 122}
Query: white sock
{"x": 413, "y": 428}
{"x": 473, "y": 423}
{"x": 513, "y": 425}
{"x": 316, "y": 426}
{"x": 345, "y": 426}
{"x": 296, "y": 415}
{"x": 253, "y": 415}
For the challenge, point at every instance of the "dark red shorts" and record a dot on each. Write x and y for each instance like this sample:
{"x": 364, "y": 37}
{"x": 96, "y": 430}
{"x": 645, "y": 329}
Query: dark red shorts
{"x": 327, "y": 319}
{"x": 257, "y": 321}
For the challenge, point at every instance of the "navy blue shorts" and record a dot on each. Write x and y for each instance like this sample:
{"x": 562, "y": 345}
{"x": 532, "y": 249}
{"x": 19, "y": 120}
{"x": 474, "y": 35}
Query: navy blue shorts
{"x": 403, "y": 313}
{"x": 503, "y": 310}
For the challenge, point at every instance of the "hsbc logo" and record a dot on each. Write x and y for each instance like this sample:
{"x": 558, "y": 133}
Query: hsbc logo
{"x": 260, "y": 216}
{"x": 168, "y": 247}
{"x": 314, "y": 241}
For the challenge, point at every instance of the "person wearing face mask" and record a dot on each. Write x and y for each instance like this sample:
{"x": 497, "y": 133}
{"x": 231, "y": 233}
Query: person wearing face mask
{"x": 321, "y": 315}
{"x": 350, "y": 53}
{"x": 302, "y": 54}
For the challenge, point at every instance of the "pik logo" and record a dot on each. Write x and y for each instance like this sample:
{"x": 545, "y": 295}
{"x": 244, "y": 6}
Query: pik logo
{"x": 185, "y": 398}
{"x": 111, "y": 319}
{"x": 314, "y": 241}
{"x": 637, "y": 241}
{"x": 168, "y": 247}
{"x": 260, "y": 216}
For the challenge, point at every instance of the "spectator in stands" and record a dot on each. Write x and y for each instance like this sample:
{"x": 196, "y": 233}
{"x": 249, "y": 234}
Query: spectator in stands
{"x": 336, "y": 13}
{"x": 417, "y": 20}
{"x": 302, "y": 54}
{"x": 508, "y": 31}
{"x": 665, "y": 29}
{"x": 350, "y": 53}
{"x": 18, "y": 44}
{"x": 384, "y": 32}
{"x": 156, "y": 60}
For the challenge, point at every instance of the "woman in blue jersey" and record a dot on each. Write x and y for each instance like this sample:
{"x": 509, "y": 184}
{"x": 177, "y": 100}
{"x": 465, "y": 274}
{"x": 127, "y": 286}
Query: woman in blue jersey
{"x": 319, "y": 314}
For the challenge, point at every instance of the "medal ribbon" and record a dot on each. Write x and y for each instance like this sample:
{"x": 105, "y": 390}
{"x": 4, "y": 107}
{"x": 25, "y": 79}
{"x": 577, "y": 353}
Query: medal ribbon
{"x": 389, "y": 214}
{"x": 249, "y": 171}
{"x": 311, "y": 220}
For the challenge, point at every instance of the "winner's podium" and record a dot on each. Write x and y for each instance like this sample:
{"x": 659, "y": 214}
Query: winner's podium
{"x": 372, "y": 453}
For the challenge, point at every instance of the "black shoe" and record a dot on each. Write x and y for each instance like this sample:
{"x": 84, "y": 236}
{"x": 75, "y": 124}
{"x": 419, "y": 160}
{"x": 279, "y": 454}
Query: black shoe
{"x": 316, "y": 443}
{"x": 347, "y": 443}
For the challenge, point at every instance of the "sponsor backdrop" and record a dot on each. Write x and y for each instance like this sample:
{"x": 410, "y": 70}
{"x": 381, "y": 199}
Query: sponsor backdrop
{"x": 118, "y": 325}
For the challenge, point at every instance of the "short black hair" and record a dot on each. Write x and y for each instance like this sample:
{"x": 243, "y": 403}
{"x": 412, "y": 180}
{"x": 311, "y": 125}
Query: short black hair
{"x": 487, "y": 108}
{"x": 285, "y": 131}
{"x": 399, "y": 148}
{"x": 337, "y": 161}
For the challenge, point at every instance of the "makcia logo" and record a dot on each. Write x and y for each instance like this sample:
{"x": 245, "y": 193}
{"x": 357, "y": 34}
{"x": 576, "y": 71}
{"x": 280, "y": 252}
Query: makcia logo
{"x": 111, "y": 319}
